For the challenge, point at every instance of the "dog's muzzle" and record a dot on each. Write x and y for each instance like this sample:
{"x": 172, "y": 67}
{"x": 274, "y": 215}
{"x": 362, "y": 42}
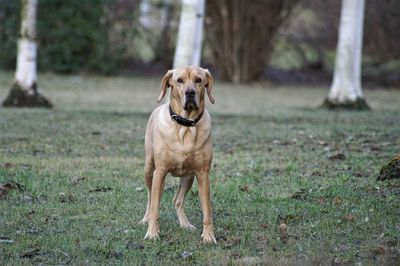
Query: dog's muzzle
{"x": 190, "y": 100}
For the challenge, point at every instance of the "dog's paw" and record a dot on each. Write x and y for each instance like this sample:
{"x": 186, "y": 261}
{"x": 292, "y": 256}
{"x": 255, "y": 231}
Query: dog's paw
{"x": 188, "y": 226}
{"x": 152, "y": 236}
{"x": 209, "y": 238}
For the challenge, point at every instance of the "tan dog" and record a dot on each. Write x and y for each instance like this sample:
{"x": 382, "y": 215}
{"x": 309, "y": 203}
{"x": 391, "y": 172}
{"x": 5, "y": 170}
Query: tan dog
{"x": 178, "y": 141}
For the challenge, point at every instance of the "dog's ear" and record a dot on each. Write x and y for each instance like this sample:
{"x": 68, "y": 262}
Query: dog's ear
{"x": 209, "y": 85}
{"x": 164, "y": 85}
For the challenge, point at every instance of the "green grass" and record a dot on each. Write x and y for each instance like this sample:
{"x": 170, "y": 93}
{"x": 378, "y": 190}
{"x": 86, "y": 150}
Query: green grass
{"x": 274, "y": 162}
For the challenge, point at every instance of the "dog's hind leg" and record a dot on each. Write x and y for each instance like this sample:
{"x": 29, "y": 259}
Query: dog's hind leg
{"x": 184, "y": 186}
{"x": 148, "y": 178}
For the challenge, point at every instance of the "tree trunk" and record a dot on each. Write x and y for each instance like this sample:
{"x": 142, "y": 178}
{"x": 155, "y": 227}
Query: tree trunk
{"x": 144, "y": 17}
{"x": 24, "y": 92}
{"x": 345, "y": 91}
{"x": 241, "y": 35}
{"x": 190, "y": 33}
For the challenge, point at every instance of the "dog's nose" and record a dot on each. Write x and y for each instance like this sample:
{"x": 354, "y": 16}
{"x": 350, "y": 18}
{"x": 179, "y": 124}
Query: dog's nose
{"x": 190, "y": 93}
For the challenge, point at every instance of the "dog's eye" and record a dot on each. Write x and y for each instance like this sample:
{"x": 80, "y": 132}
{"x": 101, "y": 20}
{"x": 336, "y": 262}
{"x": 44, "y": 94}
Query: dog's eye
{"x": 198, "y": 80}
{"x": 179, "y": 80}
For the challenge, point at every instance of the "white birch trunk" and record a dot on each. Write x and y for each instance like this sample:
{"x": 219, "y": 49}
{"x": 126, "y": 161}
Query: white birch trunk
{"x": 190, "y": 33}
{"x": 144, "y": 17}
{"x": 151, "y": 17}
{"x": 26, "y": 72}
{"x": 346, "y": 86}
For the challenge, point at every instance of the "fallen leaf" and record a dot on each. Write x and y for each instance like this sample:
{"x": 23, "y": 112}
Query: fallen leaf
{"x": 262, "y": 238}
{"x": 33, "y": 231}
{"x": 77, "y": 179}
{"x": 230, "y": 150}
{"x": 375, "y": 148}
{"x": 62, "y": 197}
{"x": 139, "y": 188}
{"x": 300, "y": 195}
{"x": 232, "y": 241}
{"x": 288, "y": 218}
{"x": 7, "y": 187}
{"x": 321, "y": 200}
{"x": 30, "y": 253}
{"x": 134, "y": 245}
{"x": 264, "y": 225}
{"x": 337, "y": 156}
{"x": 337, "y": 201}
{"x": 348, "y": 218}
{"x": 245, "y": 188}
{"x": 379, "y": 250}
{"x": 335, "y": 261}
{"x": 322, "y": 143}
{"x": 186, "y": 255}
{"x": 316, "y": 173}
{"x": 9, "y": 165}
{"x": 27, "y": 198}
{"x": 391, "y": 243}
{"x": 31, "y": 213}
{"x": 4, "y": 239}
{"x": 100, "y": 189}
{"x": 117, "y": 254}
{"x": 283, "y": 233}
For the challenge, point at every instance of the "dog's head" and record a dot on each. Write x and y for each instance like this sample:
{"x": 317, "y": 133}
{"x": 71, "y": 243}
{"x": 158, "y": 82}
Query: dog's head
{"x": 188, "y": 85}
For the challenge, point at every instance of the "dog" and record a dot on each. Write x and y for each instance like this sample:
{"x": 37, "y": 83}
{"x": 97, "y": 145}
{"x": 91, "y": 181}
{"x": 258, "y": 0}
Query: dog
{"x": 178, "y": 141}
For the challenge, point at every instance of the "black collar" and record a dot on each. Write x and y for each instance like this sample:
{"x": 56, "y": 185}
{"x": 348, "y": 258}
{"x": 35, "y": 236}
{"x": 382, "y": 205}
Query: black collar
{"x": 184, "y": 121}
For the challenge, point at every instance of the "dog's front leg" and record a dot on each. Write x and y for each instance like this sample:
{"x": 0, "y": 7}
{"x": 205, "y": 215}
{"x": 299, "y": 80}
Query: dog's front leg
{"x": 205, "y": 201}
{"x": 157, "y": 188}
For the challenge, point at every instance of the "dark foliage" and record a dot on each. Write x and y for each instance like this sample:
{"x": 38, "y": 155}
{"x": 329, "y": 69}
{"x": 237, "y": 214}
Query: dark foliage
{"x": 72, "y": 35}
{"x": 9, "y": 17}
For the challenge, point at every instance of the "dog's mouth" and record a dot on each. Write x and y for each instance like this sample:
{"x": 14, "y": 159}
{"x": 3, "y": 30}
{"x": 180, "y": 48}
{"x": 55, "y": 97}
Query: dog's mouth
{"x": 190, "y": 105}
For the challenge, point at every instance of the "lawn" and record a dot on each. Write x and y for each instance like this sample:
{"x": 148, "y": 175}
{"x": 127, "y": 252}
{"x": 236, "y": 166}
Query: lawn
{"x": 291, "y": 184}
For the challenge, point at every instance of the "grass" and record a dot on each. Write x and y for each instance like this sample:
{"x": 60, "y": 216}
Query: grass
{"x": 277, "y": 160}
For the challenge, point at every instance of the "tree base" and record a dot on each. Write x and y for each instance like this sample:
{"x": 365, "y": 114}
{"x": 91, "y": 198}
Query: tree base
{"x": 358, "y": 105}
{"x": 20, "y": 97}
{"x": 391, "y": 170}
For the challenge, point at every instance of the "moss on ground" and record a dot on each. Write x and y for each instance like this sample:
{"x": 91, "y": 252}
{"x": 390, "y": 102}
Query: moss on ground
{"x": 358, "y": 105}
{"x": 22, "y": 97}
{"x": 391, "y": 170}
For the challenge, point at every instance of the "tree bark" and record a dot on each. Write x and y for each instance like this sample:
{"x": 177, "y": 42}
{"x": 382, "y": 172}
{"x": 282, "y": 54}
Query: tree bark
{"x": 144, "y": 18}
{"x": 24, "y": 92}
{"x": 190, "y": 33}
{"x": 241, "y": 35}
{"x": 345, "y": 91}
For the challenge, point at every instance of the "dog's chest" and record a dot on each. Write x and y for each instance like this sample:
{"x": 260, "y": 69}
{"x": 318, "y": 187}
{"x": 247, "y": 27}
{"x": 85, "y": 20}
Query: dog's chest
{"x": 183, "y": 168}
{"x": 187, "y": 139}
{"x": 186, "y": 158}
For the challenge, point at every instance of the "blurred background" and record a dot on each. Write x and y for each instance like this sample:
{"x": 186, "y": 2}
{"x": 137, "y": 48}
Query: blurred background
{"x": 138, "y": 37}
